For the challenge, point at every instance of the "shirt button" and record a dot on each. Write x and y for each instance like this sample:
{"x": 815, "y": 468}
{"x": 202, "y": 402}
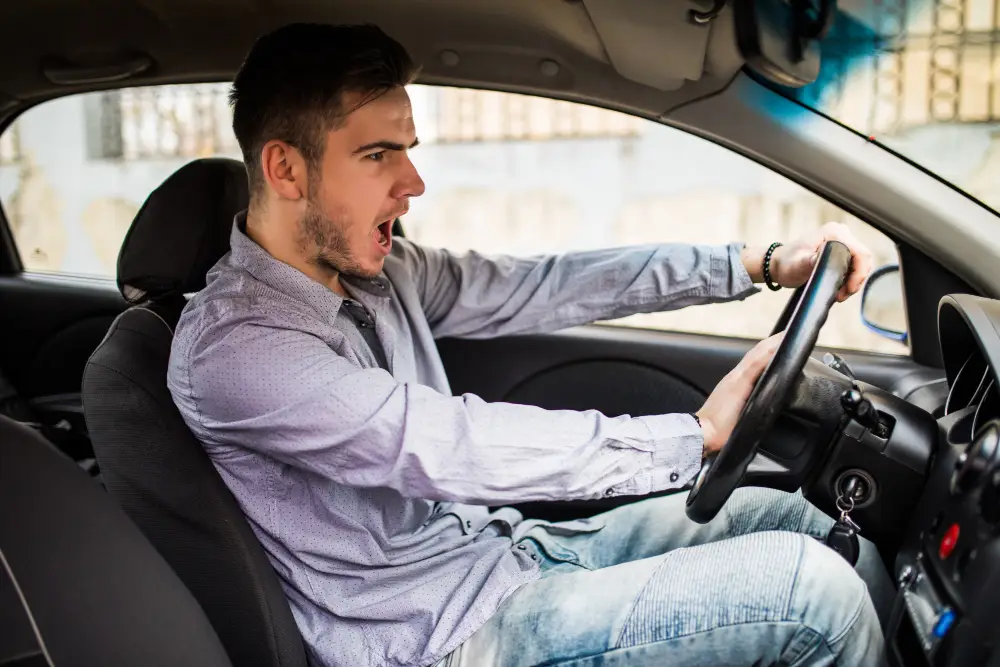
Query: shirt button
{"x": 468, "y": 524}
{"x": 534, "y": 557}
{"x": 609, "y": 492}
{"x": 674, "y": 477}
{"x": 522, "y": 547}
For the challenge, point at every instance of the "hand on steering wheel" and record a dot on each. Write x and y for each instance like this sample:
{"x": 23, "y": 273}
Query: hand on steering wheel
{"x": 723, "y": 407}
{"x": 721, "y": 473}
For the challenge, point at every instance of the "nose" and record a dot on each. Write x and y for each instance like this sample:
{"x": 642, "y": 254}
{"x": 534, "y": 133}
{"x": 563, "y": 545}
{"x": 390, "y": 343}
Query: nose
{"x": 409, "y": 183}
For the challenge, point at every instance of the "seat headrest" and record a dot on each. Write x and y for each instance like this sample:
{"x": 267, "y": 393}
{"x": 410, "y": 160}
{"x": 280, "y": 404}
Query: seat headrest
{"x": 182, "y": 229}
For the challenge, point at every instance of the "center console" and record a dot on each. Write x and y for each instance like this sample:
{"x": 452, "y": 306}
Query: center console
{"x": 947, "y": 610}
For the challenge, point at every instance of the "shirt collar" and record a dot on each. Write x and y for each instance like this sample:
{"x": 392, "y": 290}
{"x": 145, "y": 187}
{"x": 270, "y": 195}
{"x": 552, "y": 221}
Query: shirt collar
{"x": 292, "y": 282}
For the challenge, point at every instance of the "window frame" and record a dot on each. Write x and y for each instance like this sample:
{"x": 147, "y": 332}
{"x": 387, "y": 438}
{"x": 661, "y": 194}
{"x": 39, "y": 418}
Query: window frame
{"x": 10, "y": 256}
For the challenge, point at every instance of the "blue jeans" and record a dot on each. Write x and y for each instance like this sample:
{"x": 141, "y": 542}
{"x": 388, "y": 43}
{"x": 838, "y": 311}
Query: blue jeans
{"x": 643, "y": 585}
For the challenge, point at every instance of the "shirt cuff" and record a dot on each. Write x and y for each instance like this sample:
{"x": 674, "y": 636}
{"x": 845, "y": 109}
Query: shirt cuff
{"x": 729, "y": 279}
{"x": 676, "y": 455}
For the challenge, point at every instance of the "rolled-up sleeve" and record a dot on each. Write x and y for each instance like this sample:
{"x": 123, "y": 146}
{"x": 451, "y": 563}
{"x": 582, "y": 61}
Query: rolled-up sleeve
{"x": 361, "y": 427}
{"x": 474, "y": 295}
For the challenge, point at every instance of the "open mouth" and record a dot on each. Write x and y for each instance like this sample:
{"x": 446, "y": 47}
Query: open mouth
{"x": 383, "y": 236}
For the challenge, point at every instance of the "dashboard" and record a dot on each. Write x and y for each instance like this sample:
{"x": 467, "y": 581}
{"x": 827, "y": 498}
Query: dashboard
{"x": 947, "y": 608}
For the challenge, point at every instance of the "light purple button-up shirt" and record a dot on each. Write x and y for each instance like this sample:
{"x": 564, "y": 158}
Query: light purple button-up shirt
{"x": 368, "y": 488}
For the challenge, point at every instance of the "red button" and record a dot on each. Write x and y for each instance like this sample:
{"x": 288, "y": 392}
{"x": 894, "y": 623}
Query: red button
{"x": 949, "y": 541}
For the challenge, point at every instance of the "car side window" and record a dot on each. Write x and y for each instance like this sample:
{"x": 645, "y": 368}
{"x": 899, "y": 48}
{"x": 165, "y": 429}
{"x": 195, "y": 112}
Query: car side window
{"x": 516, "y": 174}
{"x": 75, "y": 170}
{"x": 505, "y": 173}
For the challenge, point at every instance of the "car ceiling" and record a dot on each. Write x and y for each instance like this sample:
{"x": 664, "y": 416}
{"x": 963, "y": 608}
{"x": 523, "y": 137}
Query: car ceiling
{"x": 636, "y": 55}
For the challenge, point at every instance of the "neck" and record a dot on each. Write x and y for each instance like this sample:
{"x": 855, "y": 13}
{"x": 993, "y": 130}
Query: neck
{"x": 279, "y": 238}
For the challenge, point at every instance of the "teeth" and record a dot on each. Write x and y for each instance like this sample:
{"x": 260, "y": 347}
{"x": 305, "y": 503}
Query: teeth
{"x": 381, "y": 237}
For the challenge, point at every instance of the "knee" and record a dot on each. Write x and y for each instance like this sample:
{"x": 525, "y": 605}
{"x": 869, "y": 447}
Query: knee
{"x": 832, "y": 600}
{"x": 771, "y": 578}
{"x": 832, "y": 577}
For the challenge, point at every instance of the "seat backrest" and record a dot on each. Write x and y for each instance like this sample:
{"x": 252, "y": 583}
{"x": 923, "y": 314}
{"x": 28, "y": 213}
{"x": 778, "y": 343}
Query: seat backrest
{"x": 79, "y": 584}
{"x": 151, "y": 462}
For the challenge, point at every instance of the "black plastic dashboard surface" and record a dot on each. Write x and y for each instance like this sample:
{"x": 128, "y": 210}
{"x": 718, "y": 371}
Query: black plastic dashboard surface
{"x": 949, "y": 567}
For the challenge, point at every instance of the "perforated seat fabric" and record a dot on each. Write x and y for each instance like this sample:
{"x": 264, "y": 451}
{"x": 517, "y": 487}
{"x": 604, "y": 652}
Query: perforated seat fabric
{"x": 152, "y": 464}
{"x": 79, "y": 584}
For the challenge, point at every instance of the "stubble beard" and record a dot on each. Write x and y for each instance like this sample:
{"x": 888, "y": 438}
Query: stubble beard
{"x": 322, "y": 239}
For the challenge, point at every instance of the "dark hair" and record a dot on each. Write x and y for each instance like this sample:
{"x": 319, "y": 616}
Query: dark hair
{"x": 292, "y": 83}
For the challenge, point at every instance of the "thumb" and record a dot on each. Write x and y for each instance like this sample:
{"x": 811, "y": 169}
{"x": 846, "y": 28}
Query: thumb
{"x": 761, "y": 355}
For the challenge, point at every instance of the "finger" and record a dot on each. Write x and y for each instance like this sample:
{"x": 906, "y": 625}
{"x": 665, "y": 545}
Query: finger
{"x": 835, "y": 231}
{"x": 766, "y": 346}
{"x": 772, "y": 342}
{"x": 769, "y": 345}
{"x": 864, "y": 264}
{"x": 861, "y": 268}
{"x": 861, "y": 259}
{"x": 860, "y": 262}
{"x": 761, "y": 354}
{"x": 756, "y": 367}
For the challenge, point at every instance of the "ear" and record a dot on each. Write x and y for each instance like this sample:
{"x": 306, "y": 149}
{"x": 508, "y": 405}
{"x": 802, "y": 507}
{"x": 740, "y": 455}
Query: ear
{"x": 284, "y": 170}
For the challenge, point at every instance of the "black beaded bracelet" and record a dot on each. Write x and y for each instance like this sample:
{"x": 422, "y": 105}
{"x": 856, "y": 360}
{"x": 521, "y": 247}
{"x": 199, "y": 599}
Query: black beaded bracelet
{"x": 767, "y": 267}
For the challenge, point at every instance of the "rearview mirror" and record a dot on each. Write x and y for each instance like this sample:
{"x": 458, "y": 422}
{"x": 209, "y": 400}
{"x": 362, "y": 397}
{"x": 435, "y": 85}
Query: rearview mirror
{"x": 779, "y": 39}
{"x": 882, "y": 309}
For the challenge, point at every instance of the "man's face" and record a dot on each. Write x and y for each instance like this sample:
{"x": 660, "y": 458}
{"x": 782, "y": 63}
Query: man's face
{"x": 365, "y": 181}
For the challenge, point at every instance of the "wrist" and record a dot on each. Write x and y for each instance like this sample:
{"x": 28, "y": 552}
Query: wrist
{"x": 708, "y": 434}
{"x": 753, "y": 262}
{"x": 753, "y": 258}
{"x": 772, "y": 266}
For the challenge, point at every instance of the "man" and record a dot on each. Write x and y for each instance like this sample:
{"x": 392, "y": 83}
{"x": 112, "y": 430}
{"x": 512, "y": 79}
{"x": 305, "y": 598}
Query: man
{"x": 307, "y": 368}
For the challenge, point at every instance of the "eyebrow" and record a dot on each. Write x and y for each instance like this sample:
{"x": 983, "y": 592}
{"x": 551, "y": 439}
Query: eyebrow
{"x": 386, "y": 145}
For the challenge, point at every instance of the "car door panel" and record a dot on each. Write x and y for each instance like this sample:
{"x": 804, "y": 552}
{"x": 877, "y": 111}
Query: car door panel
{"x": 52, "y": 324}
{"x": 593, "y": 367}
{"x": 618, "y": 386}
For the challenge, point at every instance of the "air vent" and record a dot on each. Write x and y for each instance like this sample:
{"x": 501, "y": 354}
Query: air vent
{"x": 989, "y": 406}
{"x": 970, "y": 384}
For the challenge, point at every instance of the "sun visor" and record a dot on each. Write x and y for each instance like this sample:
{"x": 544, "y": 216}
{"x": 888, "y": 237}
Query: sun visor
{"x": 658, "y": 44}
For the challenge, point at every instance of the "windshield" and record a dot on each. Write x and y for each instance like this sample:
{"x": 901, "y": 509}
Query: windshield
{"x": 921, "y": 77}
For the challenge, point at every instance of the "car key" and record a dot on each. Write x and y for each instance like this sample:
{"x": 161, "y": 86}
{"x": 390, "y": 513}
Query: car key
{"x": 843, "y": 537}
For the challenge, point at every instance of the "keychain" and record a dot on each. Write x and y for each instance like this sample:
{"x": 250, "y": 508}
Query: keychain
{"x": 843, "y": 537}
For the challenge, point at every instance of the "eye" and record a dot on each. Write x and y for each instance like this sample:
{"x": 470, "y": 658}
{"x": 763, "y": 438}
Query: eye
{"x": 376, "y": 157}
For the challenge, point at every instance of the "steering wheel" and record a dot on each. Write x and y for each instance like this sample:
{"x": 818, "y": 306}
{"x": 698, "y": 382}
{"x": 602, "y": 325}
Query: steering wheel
{"x": 721, "y": 473}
